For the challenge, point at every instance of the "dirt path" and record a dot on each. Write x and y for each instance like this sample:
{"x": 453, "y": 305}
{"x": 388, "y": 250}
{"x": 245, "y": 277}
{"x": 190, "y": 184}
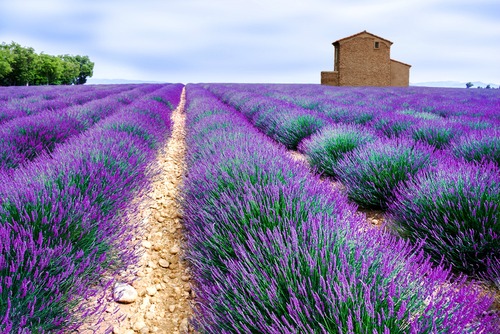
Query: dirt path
{"x": 161, "y": 279}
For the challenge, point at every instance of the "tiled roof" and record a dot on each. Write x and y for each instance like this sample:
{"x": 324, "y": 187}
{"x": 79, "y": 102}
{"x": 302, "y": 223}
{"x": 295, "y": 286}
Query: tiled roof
{"x": 397, "y": 61}
{"x": 360, "y": 33}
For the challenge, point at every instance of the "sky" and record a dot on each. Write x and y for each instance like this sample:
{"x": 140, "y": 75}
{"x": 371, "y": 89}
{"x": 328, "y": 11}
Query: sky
{"x": 265, "y": 41}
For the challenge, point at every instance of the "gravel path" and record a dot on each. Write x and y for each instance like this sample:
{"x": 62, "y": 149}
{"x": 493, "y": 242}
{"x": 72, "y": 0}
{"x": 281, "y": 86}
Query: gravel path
{"x": 159, "y": 297}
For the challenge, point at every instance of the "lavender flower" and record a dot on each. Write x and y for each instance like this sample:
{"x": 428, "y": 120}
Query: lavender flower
{"x": 479, "y": 145}
{"x": 454, "y": 209}
{"x": 372, "y": 172}
{"x": 326, "y": 148}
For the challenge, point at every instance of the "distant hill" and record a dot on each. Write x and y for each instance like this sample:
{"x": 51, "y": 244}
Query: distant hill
{"x": 453, "y": 84}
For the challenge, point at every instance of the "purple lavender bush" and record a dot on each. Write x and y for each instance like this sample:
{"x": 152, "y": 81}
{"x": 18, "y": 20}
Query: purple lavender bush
{"x": 439, "y": 134}
{"x": 273, "y": 250}
{"x": 326, "y": 148}
{"x": 479, "y": 145}
{"x": 24, "y": 138}
{"x": 287, "y": 125}
{"x": 347, "y": 114}
{"x": 292, "y": 129}
{"x": 454, "y": 209}
{"x": 319, "y": 278}
{"x": 393, "y": 125}
{"x": 63, "y": 219}
{"x": 372, "y": 172}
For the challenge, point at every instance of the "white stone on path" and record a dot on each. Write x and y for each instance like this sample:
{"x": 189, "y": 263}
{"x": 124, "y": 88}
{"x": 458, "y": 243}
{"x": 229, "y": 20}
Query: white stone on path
{"x": 139, "y": 325}
{"x": 175, "y": 249}
{"x": 124, "y": 293}
{"x": 164, "y": 263}
{"x": 151, "y": 290}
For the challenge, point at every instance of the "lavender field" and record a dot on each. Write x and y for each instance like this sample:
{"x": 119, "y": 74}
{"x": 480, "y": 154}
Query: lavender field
{"x": 272, "y": 246}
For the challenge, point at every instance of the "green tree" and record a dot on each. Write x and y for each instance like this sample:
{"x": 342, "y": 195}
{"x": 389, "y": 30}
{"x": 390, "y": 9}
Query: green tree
{"x": 48, "y": 70}
{"x": 5, "y": 61}
{"x": 70, "y": 69}
{"x": 22, "y": 66}
{"x": 469, "y": 84}
{"x": 86, "y": 69}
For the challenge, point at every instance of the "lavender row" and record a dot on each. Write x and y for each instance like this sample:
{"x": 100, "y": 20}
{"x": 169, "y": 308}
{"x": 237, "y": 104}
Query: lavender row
{"x": 425, "y": 102}
{"x": 8, "y": 93}
{"x": 275, "y": 251}
{"x": 457, "y": 220}
{"x": 280, "y": 120}
{"x": 24, "y": 138}
{"x": 61, "y": 220}
{"x": 380, "y": 165}
{"x": 56, "y": 99}
{"x": 370, "y": 176}
{"x": 11, "y": 96}
{"x": 462, "y": 122}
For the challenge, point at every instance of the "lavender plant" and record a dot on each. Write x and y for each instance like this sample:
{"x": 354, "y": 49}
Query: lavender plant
{"x": 60, "y": 98}
{"x": 293, "y": 129}
{"x": 314, "y": 279}
{"x": 437, "y": 134}
{"x": 347, "y": 114}
{"x": 24, "y": 138}
{"x": 393, "y": 125}
{"x": 454, "y": 209}
{"x": 479, "y": 145}
{"x": 372, "y": 172}
{"x": 282, "y": 121}
{"x": 326, "y": 148}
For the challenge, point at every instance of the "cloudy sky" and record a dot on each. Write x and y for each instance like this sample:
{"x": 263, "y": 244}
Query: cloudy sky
{"x": 257, "y": 40}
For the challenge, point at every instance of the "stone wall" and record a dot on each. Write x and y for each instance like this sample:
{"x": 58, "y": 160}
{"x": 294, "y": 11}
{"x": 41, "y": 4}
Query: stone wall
{"x": 330, "y": 78}
{"x": 361, "y": 64}
{"x": 400, "y": 74}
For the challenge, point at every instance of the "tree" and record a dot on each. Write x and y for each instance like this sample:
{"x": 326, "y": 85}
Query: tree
{"x": 5, "y": 60}
{"x": 22, "y": 66}
{"x": 86, "y": 69}
{"x": 22, "y": 63}
{"x": 49, "y": 70}
{"x": 70, "y": 69}
{"x": 469, "y": 84}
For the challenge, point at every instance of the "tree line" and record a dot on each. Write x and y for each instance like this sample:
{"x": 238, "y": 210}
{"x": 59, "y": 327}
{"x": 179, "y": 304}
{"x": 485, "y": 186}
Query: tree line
{"x": 20, "y": 66}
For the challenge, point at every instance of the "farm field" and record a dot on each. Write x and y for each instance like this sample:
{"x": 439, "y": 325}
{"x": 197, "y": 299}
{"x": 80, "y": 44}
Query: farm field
{"x": 387, "y": 223}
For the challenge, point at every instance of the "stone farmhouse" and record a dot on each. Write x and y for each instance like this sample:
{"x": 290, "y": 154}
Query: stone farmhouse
{"x": 364, "y": 59}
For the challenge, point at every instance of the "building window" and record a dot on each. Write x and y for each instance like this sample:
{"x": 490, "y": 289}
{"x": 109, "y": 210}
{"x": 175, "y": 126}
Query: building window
{"x": 376, "y": 45}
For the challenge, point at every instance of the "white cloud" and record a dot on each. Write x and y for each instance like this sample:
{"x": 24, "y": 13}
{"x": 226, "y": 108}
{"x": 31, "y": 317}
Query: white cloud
{"x": 260, "y": 40}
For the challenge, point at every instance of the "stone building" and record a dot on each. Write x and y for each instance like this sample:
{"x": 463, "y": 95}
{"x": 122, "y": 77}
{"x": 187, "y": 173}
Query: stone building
{"x": 364, "y": 59}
